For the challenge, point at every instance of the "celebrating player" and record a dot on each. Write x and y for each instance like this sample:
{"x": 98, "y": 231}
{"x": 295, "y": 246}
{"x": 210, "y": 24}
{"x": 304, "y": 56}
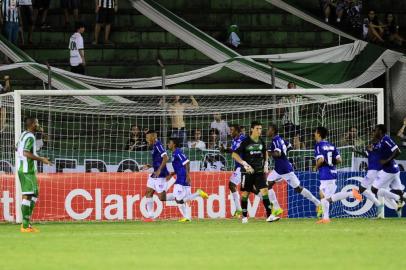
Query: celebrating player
{"x": 235, "y": 178}
{"x": 27, "y": 171}
{"x": 284, "y": 171}
{"x": 389, "y": 176}
{"x": 253, "y": 157}
{"x": 327, "y": 157}
{"x": 157, "y": 180}
{"x": 182, "y": 189}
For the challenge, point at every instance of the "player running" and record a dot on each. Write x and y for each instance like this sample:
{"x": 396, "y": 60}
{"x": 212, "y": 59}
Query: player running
{"x": 284, "y": 171}
{"x": 157, "y": 180}
{"x": 182, "y": 189}
{"x": 253, "y": 157}
{"x": 27, "y": 171}
{"x": 327, "y": 157}
{"x": 389, "y": 176}
{"x": 235, "y": 179}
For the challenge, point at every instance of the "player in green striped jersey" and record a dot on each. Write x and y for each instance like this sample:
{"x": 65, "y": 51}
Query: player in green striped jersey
{"x": 27, "y": 171}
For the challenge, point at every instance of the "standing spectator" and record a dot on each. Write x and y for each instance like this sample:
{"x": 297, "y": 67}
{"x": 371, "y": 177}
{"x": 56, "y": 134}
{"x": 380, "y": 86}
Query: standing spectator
{"x": 67, "y": 6}
{"x": 222, "y": 127}
{"x": 196, "y": 142}
{"x": 76, "y": 49}
{"x": 10, "y": 18}
{"x": 391, "y": 30}
{"x": 176, "y": 110}
{"x": 41, "y": 8}
{"x": 105, "y": 10}
{"x": 291, "y": 113}
{"x": 213, "y": 142}
{"x": 27, "y": 19}
{"x": 372, "y": 28}
{"x": 137, "y": 141}
{"x": 401, "y": 133}
{"x": 3, "y": 111}
{"x": 352, "y": 138}
{"x": 329, "y": 5}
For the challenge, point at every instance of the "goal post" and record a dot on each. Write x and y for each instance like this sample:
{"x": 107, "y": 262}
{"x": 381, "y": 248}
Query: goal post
{"x": 96, "y": 176}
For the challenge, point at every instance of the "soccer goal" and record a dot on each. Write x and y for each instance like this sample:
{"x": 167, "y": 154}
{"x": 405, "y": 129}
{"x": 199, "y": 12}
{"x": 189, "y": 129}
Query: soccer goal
{"x": 96, "y": 141}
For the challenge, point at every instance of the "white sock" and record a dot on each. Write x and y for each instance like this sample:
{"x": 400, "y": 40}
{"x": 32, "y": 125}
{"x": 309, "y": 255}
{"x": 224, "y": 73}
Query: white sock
{"x": 370, "y": 196}
{"x": 170, "y": 197}
{"x": 308, "y": 195}
{"x": 236, "y": 199}
{"x": 150, "y": 205}
{"x": 273, "y": 199}
{"x": 326, "y": 20}
{"x": 183, "y": 210}
{"x": 388, "y": 195}
{"x": 341, "y": 196}
{"x": 393, "y": 204}
{"x": 338, "y": 20}
{"x": 326, "y": 208}
{"x": 191, "y": 197}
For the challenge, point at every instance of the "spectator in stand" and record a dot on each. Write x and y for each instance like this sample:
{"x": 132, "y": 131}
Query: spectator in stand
{"x": 401, "y": 133}
{"x": 137, "y": 141}
{"x": 105, "y": 10}
{"x": 10, "y": 19}
{"x": 391, "y": 30}
{"x": 76, "y": 49}
{"x": 196, "y": 143}
{"x": 3, "y": 112}
{"x": 373, "y": 29}
{"x": 297, "y": 142}
{"x": 337, "y": 5}
{"x": 222, "y": 127}
{"x": 67, "y": 6}
{"x": 41, "y": 8}
{"x": 354, "y": 19}
{"x": 291, "y": 113}
{"x": 26, "y": 19}
{"x": 352, "y": 138}
{"x": 213, "y": 141}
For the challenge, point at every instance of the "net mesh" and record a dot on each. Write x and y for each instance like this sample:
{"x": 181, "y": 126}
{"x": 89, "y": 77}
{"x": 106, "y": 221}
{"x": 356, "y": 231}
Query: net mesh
{"x": 99, "y": 151}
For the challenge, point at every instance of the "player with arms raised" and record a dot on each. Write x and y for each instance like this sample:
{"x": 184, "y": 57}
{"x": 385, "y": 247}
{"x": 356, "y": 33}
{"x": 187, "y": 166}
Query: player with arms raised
{"x": 182, "y": 188}
{"x": 27, "y": 171}
{"x": 284, "y": 171}
{"x": 253, "y": 157}
{"x": 157, "y": 180}
{"x": 327, "y": 157}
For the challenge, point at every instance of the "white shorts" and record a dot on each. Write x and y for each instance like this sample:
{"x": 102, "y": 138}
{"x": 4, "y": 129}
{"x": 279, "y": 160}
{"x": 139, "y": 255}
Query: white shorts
{"x": 371, "y": 176}
{"x": 236, "y": 177}
{"x": 388, "y": 180}
{"x": 181, "y": 192}
{"x": 157, "y": 184}
{"x": 328, "y": 188}
{"x": 291, "y": 178}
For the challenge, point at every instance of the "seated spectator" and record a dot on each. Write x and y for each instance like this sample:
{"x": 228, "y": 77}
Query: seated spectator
{"x": 372, "y": 28}
{"x": 26, "y": 12}
{"x": 233, "y": 38}
{"x": 401, "y": 133}
{"x": 3, "y": 111}
{"x": 352, "y": 138}
{"x": 196, "y": 142}
{"x": 213, "y": 141}
{"x": 137, "y": 141}
{"x": 222, "y": 127}
{"x": 337, "y": 5}
{"x": 67, "y": 6}
{"x": 391, "y": 30}
{"x": 41, "y": 8}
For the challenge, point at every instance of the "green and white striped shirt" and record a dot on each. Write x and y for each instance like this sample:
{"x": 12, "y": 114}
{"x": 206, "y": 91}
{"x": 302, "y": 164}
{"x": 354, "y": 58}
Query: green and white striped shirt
{"x": 26, "y": 143}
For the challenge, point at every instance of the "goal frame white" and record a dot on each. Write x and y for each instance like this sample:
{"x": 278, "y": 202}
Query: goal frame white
{"x": 18, "y": 94}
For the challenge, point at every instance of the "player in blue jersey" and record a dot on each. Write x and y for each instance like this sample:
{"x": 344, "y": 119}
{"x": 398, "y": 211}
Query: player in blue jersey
{"x": 389, "y": 176}
{"x": 157, "y": 180}
{"x": 182, "y": 188}
{"x": 327, "y": 157}
{"x": 235, "y": 179}
{"x": 284, "y": 171}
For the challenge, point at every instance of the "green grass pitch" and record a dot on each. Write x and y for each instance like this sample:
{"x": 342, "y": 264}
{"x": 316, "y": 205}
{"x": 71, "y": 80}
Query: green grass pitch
{"x": 210, "y": 244}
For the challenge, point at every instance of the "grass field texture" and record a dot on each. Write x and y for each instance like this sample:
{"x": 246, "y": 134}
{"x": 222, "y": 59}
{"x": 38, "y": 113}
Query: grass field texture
{"x": 210, "y": 244}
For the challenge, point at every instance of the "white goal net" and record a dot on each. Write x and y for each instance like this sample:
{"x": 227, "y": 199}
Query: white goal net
{"x": 96, "y": 140}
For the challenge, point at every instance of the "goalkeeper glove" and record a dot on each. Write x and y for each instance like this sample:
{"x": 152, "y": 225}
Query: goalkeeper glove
{"x": 247, "y": 167}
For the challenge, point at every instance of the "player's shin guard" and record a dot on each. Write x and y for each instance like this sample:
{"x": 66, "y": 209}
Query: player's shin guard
{"x": 308, "y": 195}
{"x": 25, "y": 209}
{"x": 267, "y": 205}
{"x": 236, "y": 199}
{"x": 273, "y": 199}
{"x": 326, "y": 208}
{"x": 150, "y": 205}
{"x": 244, "y": 206}
{"x": 370, "y": 196}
